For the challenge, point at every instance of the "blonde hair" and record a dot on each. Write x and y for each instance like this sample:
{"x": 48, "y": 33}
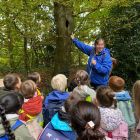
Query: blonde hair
{"x": 136, "y": 96}
{"x": 59, "y": 82}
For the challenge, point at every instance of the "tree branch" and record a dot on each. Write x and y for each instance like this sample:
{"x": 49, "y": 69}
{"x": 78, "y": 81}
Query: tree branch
{"x": 90, "y": 12}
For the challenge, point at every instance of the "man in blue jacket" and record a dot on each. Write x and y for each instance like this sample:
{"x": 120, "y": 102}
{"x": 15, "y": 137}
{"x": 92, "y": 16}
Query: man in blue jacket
{"x": 99, "y": 62}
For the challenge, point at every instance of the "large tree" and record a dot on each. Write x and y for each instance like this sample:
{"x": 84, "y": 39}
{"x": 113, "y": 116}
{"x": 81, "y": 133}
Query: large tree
{"x": 64, "y": 28}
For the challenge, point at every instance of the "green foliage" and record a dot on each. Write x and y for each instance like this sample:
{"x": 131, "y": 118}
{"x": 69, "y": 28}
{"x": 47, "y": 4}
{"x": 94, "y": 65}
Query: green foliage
{"x": 122, "y": 30}
{"x": 21, "y": 19}
{"x": 28, "y": 33}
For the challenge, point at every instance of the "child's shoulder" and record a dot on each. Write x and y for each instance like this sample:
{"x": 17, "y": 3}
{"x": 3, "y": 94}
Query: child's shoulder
{"x": 123, "y": 96}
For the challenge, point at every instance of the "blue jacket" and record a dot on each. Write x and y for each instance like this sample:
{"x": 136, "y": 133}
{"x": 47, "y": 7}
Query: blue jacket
{"x": 56, "y": 96}
{"x": 53, "y": 103}
{"x": 99, "y": 73}
{"x": 58, "y": 129}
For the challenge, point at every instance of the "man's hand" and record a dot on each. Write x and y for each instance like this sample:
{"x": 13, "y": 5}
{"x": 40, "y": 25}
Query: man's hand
{"x": 72, "y": 36}
{"x": 94, "y": 62}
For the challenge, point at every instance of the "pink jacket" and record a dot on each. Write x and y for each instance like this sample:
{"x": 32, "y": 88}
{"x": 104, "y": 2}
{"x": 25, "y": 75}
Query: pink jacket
{"x": 120, "y": 133}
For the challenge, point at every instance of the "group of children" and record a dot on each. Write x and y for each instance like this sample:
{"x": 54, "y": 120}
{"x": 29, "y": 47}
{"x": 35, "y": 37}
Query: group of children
{"x": 70, "y": 112}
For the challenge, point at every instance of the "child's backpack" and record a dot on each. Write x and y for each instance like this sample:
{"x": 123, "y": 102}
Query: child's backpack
{"x": 51, "y": 109}
{"x": 118, "y": 134}
{"x": 128, "y": 112}
{"x": 49, "y": 134}
{"x": 17, "y": 124}
{"x": 34, "y": 128}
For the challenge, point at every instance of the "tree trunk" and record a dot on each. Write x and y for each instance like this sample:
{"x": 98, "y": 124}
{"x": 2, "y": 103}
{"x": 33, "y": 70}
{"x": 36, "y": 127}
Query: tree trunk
{"x": 26, "y": 58}
{"x": 64, "y": 28}
{"x": 10, "y": 48}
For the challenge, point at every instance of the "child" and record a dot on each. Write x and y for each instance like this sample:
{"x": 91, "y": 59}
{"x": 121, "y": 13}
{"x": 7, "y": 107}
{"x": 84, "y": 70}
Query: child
{"x": 12, "y": 82}
{"x": 32, "y": 106}
{"x": 82, "y": 80}
{"x": 60, "y": 123}
{"x": 112, "y": 121}
{"x": 123, "y": 98}
{"x": 85, "y": 119}
{"x": 10, "y": 127}
{"x": 35, "y": 76}
{"x": 55, "y": 100}
{"x": 136, "y": 95}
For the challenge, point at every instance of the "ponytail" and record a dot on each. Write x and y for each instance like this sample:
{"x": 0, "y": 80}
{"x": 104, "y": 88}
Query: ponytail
{"x": 85, "y": 119}
{"x": 111, "y": 97}
{"x": 106, "y": 97}
{"x": 91, "y": 134}
{"x": 6, "y": 124}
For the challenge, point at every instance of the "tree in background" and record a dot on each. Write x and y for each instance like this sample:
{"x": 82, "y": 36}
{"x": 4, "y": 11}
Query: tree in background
{"x": 121, "y": 30}
{"x": 35, "y": 35}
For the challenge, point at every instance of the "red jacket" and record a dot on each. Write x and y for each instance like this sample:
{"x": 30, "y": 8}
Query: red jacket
{"x": 31, "y": 108}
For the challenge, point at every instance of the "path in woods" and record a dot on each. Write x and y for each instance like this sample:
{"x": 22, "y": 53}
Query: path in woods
{"x": 1, "y": 82}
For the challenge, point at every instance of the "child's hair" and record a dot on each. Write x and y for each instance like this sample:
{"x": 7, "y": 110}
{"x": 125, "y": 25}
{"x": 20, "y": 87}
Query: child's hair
{"x": 74, "y": 98}
{"x": 9, "y": 103}
{"x": 28, "y": 89}
{"x": 59, "y": 82}
{"x": 10, "y": 81}
{"x": 35, "y": 76}
{"x": 81, "y": 78}
{"x": 106, "y": 97}
{"x": 116, "y": 83}
{"x": 82, "y": 114}
{"x": 72, "y": 85}
{"x": 136, "y": 95}
{"x": 98, "y": 40}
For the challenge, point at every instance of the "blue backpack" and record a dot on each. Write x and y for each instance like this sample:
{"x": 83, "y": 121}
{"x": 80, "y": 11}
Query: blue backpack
{"x": 49, "y": 134}
{"x": 51, "y": 109}
{"x": 17, "y": 124}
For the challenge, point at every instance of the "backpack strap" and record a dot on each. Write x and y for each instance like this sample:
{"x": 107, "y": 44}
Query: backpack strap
{"x": 17, "y": 124}
{"x": 21, "y": 111}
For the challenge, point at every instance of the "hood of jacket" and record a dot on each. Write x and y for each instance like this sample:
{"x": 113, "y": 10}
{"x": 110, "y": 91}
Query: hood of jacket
{"x": 56, "y": 96}
{"x": 85, "y": 91}
{"x": 4, "y": 91}
{"x": 122, "y": 96}
{"x": 60, "y": 124}
{"x": 62, "y": 127}
{"x": 10, "y": 117}
{"x": 110, "y": 118}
